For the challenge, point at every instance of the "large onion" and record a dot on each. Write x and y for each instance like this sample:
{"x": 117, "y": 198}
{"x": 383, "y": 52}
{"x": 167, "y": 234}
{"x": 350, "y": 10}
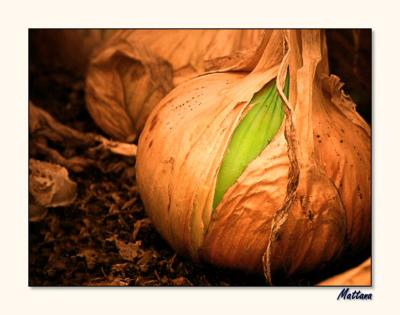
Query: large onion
{"x": 298, "y": 207}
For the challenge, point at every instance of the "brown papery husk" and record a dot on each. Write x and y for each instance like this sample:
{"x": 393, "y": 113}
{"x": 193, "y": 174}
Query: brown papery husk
{"x": 303, "y": 203}
{"x": 135, "y": 69}
{"x": 327, "y": 210}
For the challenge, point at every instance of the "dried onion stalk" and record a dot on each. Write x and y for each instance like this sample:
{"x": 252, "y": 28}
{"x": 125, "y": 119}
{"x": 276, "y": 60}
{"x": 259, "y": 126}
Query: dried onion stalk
{"x": 135, "y": 69}
{"x": 300, "y": 205}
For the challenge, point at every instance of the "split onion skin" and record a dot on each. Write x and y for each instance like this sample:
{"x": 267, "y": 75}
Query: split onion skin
{"x": 300, "y": 205}
{"x": 182, "y": 176}
{"x": 250, "y": 138}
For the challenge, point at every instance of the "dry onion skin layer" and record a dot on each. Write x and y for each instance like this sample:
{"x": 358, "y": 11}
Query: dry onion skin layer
{"x": 135, "y": 69}
{"x": 300, "y": 205}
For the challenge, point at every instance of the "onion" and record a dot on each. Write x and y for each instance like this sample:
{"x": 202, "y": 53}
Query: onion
{"x": 300, "y": 205}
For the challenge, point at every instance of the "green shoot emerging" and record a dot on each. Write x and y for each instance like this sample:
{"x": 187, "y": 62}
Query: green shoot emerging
{"x": 252, "y": 135}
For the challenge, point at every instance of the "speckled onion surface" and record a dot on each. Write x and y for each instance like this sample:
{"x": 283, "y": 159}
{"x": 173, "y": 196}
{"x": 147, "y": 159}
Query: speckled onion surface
{"x": 135, "y": 69}
{"x": 300, "y": 205}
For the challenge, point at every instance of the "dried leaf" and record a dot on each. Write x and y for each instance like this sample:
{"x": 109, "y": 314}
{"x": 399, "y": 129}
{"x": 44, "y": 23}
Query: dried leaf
{"x": 125, "y": 149}
{"x": 138, "y": 225}
{"x": 127, "y": 250}
{"x": 50, "y": 185}
{"x": 146, "y": 258}
{"x": 43, "y": 126}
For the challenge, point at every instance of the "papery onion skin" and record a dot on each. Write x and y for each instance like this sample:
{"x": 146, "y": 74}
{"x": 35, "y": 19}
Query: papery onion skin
{"x": 135, "y": 69}
{"x": 324, "y": 216}
{"x": 299, "y": 206}
{"x": 182, "y": 177}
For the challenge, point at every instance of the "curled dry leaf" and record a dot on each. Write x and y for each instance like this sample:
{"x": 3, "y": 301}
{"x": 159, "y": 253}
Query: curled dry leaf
{"x": 127, "y": 250}
{"x": 41, "y": 123}
{"x": 358, "y": 276}
{"x": 135, "y": 69}
{"x": 50, "y": 186}
{"x": 43, "y": 127}
{"x": 303, "y": 203}
{"x": 121, "y": 148}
